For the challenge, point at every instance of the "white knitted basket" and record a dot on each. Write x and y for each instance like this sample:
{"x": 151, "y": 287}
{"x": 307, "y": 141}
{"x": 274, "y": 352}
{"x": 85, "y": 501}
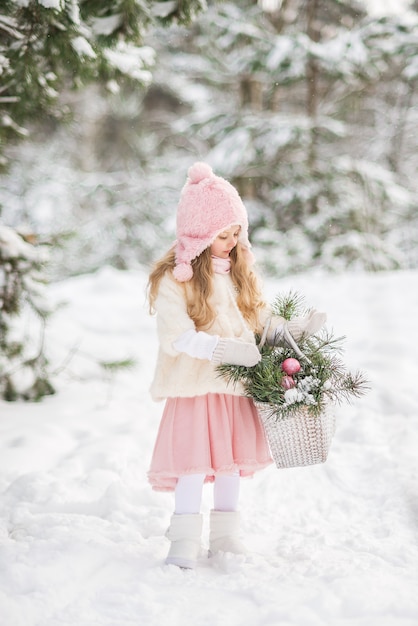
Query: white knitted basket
{"x": 298, "y": 440}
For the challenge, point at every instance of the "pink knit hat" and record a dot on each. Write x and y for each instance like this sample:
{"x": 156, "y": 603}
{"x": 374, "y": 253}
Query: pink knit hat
{"x": 208, "y": 205}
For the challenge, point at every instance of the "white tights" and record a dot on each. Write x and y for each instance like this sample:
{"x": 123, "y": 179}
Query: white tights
{"x": 188, "y": 493}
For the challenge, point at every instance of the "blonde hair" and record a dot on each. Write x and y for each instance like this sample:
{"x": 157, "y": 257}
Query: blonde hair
{"x": 199, "y": 288}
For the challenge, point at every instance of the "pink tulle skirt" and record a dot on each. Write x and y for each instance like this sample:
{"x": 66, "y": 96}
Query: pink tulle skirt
{"x": 213, "y": 434}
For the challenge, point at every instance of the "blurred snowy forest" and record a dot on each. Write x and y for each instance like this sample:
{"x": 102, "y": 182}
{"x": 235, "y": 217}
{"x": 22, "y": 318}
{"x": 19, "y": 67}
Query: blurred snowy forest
{"x": 309, "y": 107}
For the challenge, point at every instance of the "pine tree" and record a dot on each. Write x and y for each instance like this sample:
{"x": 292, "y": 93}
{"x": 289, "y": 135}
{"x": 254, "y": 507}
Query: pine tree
{"x": 23, "y": 364}
{"x": 276, "y": 116}
{"x": 46, "y": 48}
{"x": 49, "y": 46}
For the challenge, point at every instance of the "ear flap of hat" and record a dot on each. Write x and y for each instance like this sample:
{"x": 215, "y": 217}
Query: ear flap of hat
{"x": 183, "y": 272}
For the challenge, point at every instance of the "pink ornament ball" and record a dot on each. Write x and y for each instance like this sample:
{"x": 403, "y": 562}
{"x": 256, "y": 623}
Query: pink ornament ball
{"x": 291, "y": 366}
{"x": 288, "y": 382}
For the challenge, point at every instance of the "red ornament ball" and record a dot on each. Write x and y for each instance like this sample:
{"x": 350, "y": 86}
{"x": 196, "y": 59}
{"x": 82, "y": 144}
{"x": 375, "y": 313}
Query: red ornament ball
{"x": 288, "y": 382}
{"x": 291, "y": 366}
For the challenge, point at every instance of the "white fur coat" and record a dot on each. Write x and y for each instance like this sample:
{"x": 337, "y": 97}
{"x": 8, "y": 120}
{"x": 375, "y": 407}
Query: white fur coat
{"x": 176, "y": 373}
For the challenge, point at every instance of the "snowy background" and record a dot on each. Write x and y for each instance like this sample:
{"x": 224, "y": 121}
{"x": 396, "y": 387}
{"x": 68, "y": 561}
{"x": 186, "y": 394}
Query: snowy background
{"x": 386, "y": 7}
{"x": 82, "y": 534}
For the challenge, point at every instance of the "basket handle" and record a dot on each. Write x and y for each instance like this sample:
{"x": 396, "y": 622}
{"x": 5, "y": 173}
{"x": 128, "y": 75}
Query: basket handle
{"x": 287, "y": 338}
{"x": 264, "y": 335}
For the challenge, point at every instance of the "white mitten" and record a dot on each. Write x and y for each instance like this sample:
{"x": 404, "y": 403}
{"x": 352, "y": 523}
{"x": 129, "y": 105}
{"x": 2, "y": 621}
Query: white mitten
{"x": 236, "y": 353}
{"x": 308, "y": 325}
{"x": 298, "y": 327}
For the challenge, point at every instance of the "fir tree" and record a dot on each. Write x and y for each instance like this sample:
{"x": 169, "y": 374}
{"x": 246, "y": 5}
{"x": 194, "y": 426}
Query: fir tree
{"x": 46, "y": 48}
{"x": 49, "y": 46}
{"x": 276, "y": 116}
{"x": 23, "y": 364}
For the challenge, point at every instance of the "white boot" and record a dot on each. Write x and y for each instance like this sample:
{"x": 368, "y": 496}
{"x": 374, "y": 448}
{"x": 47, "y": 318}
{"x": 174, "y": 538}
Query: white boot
{"x": 223, "y": 534}
{"x": 184, "y": 533}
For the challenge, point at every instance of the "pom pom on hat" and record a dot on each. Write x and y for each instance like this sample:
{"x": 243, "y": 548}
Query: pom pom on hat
{"x": 208, "y": 205}
{"x": 199, "y": 171}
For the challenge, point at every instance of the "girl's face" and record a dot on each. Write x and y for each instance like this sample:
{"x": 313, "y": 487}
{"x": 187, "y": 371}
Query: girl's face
{"x": 225, "y": 242}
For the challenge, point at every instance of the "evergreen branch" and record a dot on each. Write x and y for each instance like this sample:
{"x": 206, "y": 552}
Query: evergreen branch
{"x": 323, "y": 377}
{"x": 116, "y": 366}
{"x": 288, "y": 305}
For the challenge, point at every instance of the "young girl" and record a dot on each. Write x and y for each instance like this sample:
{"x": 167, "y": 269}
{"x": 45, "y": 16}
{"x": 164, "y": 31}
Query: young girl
{"x": 209, "y": 307}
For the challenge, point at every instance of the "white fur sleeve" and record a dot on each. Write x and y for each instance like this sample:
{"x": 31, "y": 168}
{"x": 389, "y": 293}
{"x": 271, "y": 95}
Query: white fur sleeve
{"x": 172, "y": 317}
{"x": 197, "y": 344}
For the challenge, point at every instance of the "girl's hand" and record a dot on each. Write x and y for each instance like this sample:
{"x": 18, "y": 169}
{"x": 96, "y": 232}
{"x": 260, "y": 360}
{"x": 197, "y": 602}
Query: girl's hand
{"x": 308, "y": 325}
{"x": 298, "y": 327}
{"x": 236, "y": 353}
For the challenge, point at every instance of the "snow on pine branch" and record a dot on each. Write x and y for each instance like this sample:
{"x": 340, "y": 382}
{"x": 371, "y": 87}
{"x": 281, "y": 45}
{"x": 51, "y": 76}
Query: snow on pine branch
{"x": 131, "y": 60}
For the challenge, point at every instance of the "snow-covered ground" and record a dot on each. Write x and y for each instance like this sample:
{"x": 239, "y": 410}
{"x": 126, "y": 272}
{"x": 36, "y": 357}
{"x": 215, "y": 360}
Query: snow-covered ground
{"x": 82, "y": 534}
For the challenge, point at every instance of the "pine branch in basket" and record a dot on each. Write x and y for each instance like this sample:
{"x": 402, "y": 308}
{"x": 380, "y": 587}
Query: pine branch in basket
{"x": 323, "y": 377}
{"x": 288, "y": 305}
